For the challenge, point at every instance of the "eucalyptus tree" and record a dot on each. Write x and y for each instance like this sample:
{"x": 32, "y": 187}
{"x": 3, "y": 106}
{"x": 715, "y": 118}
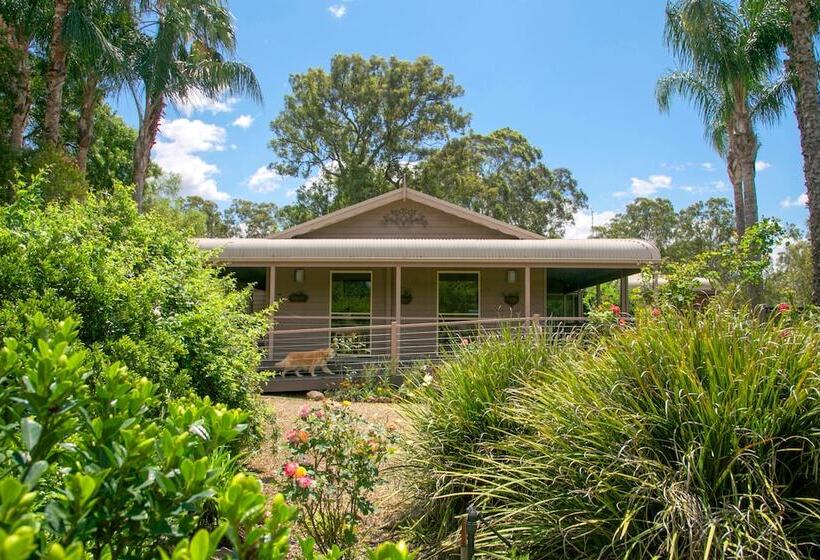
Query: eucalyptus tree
{"x": 725, "y": 70}
{"x": 182, "y": 50}
{"x": 22, "y": 22}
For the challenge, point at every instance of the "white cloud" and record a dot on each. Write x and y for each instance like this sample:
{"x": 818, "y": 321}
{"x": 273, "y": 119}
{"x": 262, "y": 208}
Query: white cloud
{"x": 707, "y": 166}
{"x": 582, "y": 228}
{"x": 790, "y": 202}
{"x": 291, "y": 193}
{"x": 719, "y": 185}
{"x": 243, "y": 121}
{"x": 179, "y": 142}
{"x": 264, "y": 179}
{"x": 650, "y": 185}
{"x": 198, "y": 102}
{"x": 761, "y": 165}
{"x": 338, "y": 10}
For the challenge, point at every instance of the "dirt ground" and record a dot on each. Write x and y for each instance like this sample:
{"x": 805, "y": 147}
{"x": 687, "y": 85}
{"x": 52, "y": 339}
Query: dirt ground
{"x": 268, "y": 463}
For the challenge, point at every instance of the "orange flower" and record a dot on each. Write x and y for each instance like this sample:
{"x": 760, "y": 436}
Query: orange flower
{"x": 300, "y": 472}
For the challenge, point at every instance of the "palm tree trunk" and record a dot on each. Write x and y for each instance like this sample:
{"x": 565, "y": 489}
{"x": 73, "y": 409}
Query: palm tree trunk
{"x": 736, "y": 178}
{"x": 804, "y": 64}
{"x": 20, "y": 83}
{"x": 56, "y": 74}
{"x": 747, "y": 147}
{"x": 146, "y": 137}
{"x": 85, "y": 124}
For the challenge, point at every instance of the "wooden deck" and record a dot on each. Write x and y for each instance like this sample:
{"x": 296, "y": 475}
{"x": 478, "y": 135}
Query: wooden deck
{"x": 320, "y": 382}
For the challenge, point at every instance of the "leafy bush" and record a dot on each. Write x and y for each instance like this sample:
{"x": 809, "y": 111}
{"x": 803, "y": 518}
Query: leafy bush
{"x": 455, "y": 412}
{"x": 334, "y": 464}
{"x": 143, "y": 293}
{"x": 98, "y": 470}
{"x": 694, "y": 435}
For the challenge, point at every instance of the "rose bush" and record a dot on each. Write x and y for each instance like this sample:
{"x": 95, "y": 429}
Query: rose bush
{"x": 335, "y": 458}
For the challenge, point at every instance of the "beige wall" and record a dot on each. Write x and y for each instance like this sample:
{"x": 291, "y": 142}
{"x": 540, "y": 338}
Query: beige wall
{"x": 429, "y": 223}
{"x": 422, "y": 284}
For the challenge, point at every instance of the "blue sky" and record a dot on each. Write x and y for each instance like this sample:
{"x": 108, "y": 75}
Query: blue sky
{"x": 576, "y": 78}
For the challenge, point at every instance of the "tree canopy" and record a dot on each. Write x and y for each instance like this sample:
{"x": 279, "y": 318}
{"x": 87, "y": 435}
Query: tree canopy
{"x": 679, "y": 235}
{"x": 359, "y": 124}
{"x": 502, "y": 175}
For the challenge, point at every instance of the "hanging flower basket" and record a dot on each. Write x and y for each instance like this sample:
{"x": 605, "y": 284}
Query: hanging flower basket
{"x": 298, "y": 297}
{"x": 511, "y": 299}
{"x": 406, "y": 297}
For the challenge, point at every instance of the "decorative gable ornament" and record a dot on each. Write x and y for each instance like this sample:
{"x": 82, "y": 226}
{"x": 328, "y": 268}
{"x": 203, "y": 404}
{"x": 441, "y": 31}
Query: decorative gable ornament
{"x": 404, "y": 218}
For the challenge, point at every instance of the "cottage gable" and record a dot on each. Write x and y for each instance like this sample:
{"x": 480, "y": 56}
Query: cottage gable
{"x": 405, "y": 214}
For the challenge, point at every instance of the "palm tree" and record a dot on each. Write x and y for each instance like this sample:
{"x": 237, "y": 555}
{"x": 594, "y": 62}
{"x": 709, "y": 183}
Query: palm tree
{"x": 98, "y": 64}
{"x": 182, "y": 52}
{"x": 803, "y": 26}
{"x": 21, "y": 24}
{"x": 56, "y": 73}
{"x": 725, "y": 72}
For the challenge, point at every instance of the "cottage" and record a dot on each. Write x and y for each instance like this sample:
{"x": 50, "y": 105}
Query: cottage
{"x": 403, "y": 276}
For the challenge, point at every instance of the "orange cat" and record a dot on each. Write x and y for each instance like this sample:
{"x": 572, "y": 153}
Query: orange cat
{"x": 309, "y": 361}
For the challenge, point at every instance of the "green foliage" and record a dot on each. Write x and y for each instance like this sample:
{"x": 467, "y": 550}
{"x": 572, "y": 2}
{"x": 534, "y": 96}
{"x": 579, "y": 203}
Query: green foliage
{"x": 341, "y": 455}
{"x": 98, "y": 470}
{"x": 694, "y": 435}
{"x": 680, "y": 235}
{"x": 730, "y": 268}
{"x": 502, "y": 175}
{"x": 110, "y": 158}
{"x": 358, "y": 123}
{"x": 143, "y": 293}
{"x": 791, "y": 275}
{"x": 455, "y": 412}
{"x": 251, "y": 219}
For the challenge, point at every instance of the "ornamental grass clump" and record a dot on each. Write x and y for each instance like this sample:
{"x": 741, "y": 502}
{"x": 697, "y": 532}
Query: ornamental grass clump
{"x": 454, "y": 413}
{"x": 692, "y": 435}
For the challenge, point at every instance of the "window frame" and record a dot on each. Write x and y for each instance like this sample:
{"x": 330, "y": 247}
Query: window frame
{"x": 368, "y": 317}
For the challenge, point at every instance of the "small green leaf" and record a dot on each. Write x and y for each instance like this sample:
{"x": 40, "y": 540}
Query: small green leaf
{"x": 30, "y": 431}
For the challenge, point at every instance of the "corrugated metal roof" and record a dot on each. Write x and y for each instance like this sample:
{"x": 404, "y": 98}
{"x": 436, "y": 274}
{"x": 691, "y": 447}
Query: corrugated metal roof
{"x": 547, "y": 251}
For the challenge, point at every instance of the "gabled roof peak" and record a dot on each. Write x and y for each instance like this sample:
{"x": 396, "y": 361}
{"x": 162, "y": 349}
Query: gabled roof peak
{"x": 405, "y": 193}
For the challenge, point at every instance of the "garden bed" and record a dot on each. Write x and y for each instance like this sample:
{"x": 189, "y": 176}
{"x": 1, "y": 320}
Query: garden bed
{"x": 268, "y": 462}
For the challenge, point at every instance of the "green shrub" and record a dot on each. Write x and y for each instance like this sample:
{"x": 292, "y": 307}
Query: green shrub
{"x": 694, "y": 435}
{"x": 455, "y": 411}
{"x": 96, "y": 470}
{"x": 142, "y": 292}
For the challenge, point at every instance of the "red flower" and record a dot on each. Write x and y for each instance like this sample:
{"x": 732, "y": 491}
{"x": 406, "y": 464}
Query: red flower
{"x": 783, "y": 307}
{"x": 622, "y": 322}
{"x": 656, "y": 311}
{"x": 615, "y": 310}
{"x": 785, "y": 333}
{"x": 290, "y": 468}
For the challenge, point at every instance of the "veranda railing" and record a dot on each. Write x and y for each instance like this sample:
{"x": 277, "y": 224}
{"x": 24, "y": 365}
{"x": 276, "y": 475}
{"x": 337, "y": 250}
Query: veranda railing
{"x": 388, "y": 343}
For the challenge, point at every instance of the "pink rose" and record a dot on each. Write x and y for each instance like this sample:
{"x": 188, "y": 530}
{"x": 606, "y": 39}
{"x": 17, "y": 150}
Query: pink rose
{"x": 656, "y": 311}
{"x": 304, "y": 411}
{"x": 615, "y": 310}
{"x": 304, "y": 481}
{"x": 783, "y": 307}
{"x": 290, "y": 468}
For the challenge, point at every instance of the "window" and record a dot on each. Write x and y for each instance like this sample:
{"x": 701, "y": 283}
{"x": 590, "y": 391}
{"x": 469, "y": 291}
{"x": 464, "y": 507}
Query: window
{"x": 458, "y": 299}
{"x": 562, "y": 305}
{"x": 350, "y": 301}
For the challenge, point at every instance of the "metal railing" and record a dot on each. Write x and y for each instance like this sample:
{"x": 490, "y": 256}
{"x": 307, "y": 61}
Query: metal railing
{"x": 384, "y": 343}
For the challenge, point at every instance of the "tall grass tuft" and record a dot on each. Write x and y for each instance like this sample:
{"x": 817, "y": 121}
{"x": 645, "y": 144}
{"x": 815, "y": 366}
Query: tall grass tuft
{"x": 693, "y": 435}
{"x": 455, "y": 413}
